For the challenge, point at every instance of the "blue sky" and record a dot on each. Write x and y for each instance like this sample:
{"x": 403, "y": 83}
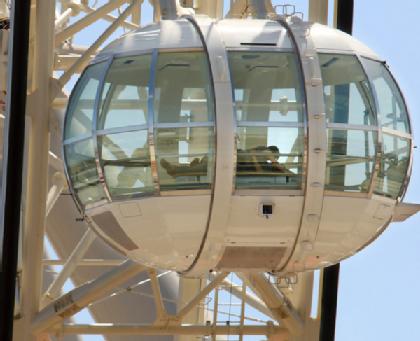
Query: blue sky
{"x": 378, "y": 296}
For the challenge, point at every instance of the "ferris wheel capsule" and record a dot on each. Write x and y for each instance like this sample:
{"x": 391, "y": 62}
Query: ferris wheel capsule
{"x": 237, "y": 145}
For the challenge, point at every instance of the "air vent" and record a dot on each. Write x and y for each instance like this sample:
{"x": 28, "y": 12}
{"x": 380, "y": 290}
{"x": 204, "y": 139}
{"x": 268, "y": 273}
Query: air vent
{"x": 110, "y": 226}
{"x": 258, "y": 44}
{"x": 251, "y": 257}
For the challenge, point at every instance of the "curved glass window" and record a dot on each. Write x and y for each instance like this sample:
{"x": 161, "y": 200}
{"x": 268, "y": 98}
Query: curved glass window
{"x": 82, "y": 103}
{"x": 351, "y": 122}
{"x": 122, "y": 127}
{"x": 347, "y": 94}
{"x": 394, "y": 165}
{"x": 81, "y": 167}
{"x": 391, "y": 107}
{"x": 184, "y": 121}
{"x": 351, "y": 160}
{"x": 394, "y": 120}
{"x": 183, "y": 88}
{"x": 275, "y": 162}
{"x": 269, "y": 109}
{"x": 124, "y": 99}
{"x": 126, "y": 161}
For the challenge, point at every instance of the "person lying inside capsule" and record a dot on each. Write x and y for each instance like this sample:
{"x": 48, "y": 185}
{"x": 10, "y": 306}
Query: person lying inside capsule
{"x": 255, "y": 161}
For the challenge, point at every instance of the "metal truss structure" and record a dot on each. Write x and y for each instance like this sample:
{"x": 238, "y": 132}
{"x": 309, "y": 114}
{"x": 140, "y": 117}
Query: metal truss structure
{"x": 277, "y": 308}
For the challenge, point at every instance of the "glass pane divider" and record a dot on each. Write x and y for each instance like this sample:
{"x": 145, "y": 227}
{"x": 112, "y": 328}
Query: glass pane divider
{"x": 397, "y": 133}
{"x": 344, "y": 126}
{"x": 151, "y": 114}
{"x": 183, "y": 125}
{"x": 270, "y": 124}
{"x": 77, "y": 139}
{"x": 99, "y": 166}
{"x": 119, "y": 130}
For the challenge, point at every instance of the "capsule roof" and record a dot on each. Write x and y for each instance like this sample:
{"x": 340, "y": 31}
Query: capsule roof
{"x": 235, "y": 33}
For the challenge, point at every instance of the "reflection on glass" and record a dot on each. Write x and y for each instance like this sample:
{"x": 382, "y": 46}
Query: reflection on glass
{"x": 82, "y": 102}
{"x": 267, "y": 86}
{"x": 183, "y": 89}
{"x": 394, "y": 165}
{"x": 125, "y": 93}
{"x": 269, "y": 158}
{"x": 81, "y": 167}
{"x": 347, "y": 94}
{"x": 185, "y": 157}
{"x": 126, "y": 161}
{"x": 391, "y": 106}
{"x": 351, "y": 160}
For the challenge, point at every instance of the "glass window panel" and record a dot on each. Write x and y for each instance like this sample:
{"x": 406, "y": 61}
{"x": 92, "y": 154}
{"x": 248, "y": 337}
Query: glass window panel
{"x": 347, "y": 94}
{"x": 82, "y": 102}
{"x": 267, "y": 86}
{"x": 183, "y": 90}
{"x": 185, "y": 158}
{"x": 269, "y": 157}
{"x": 351, "y": 160}
{"x": 394, "y": 166}
{"x": 391, "y": 106}
{"x": 126, "y": 161}
{"x": 125, "y": 93}
{"x": 81, "y": 167}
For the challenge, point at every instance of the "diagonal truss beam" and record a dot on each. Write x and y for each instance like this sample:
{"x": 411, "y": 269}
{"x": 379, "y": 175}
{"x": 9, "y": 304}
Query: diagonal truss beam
{"x": 92, "y": 49}
{"x": 250, "y": 299}
{"x": 87, "y": 20}
{"x": 161, "y": 313}
{"x": 68, "y": 269}
{"x": 213, "y": 284}
{"x": 278, "y": 303}
{"x": 81, "y": 297}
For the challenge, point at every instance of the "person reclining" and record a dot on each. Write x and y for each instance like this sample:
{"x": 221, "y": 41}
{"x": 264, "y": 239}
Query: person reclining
{"x": 197, "y": 167}
{"x": 258, "y": 160}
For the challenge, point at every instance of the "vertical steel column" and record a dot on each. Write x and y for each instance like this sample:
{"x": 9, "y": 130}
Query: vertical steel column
{"x": 329, "y": 302}
{"x": 37, "y": 162}
{"x": 13, "y": 163}
{"x": 344, "y": 10}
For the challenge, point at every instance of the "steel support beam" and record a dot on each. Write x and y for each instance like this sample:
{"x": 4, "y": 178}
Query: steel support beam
{"x": 58, "y": 184}
{"x": 113, "y": 329}
{"x": 259, "y": 9}
{"x": 280, "y": 306}
{"x": 85, "y": 262}
{"x": 329, "y": 302}
{"x": 161, "y": 313}
{"x": 81, "y": 297}
{"x": 318, "y": 11}
{"x": 78, "y": 253}
{"x": 13, "y": 164}
{"x": 84, "y": 59}
{"x": 343, "y": 16}
{"x": 250, "y": 299}
{"x": 34, "y": 208}
{"x": 213, "y": 284}
{"x": 87, "y": 20}
{"x": 111, "y": 18}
